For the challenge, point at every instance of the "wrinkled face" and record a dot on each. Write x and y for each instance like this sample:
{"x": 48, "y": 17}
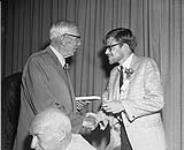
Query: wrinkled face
{"x": 72, "y": 42}
{"x": 44, "y": 139}
{"x": 114, "y": 51}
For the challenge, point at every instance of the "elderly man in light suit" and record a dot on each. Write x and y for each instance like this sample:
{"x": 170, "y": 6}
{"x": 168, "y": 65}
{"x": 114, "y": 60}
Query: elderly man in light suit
{"x": 135, "y": 104}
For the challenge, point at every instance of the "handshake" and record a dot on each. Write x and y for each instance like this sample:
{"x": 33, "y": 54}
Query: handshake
{"x": 92, "y": 120}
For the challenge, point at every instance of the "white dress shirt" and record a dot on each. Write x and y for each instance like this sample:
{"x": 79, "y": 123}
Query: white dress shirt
{"x": 58, "y": 55}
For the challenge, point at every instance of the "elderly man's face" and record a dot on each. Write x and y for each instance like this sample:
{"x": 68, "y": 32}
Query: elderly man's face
{"x": 72, "y": 42}
{"x": 44, "y": 138}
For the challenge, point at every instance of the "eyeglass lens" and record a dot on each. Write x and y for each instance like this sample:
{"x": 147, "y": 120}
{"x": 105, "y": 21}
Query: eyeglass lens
{"x": 110, "y": 46}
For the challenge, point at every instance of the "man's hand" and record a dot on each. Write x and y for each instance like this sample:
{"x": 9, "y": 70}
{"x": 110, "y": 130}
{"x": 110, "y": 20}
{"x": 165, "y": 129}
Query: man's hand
{"x": 90, "y": 121}
{"x": 113, "y": 107}
{"x": 81, "y": 104}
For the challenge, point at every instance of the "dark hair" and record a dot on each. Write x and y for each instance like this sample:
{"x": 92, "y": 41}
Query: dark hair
{"x": 122, "y": 35}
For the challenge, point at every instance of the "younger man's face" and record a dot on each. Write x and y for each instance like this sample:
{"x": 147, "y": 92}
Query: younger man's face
{"x": 115, "y": 51}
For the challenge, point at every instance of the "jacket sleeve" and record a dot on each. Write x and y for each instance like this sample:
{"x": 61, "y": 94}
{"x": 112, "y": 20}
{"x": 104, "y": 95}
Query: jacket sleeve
{"x": 152, "y": 99}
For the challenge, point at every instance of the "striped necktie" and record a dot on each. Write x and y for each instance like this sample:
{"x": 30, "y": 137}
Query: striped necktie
{"x": 121, "y": 76}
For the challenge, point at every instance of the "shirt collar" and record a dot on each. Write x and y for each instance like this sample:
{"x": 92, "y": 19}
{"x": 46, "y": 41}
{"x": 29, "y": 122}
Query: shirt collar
{"x": 58, "y": 55}
{"x": 127, "y": 62}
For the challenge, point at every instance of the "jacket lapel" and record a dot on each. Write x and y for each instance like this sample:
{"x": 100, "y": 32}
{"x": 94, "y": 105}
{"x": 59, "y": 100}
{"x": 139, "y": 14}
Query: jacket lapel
{"x": 114, "y": 78}
{"x": 114, "y": 85}
{"x": 134, "y": 65}
{"x": 57, "y": 64}
{"x": 134, "y": 62}
{"x": 64, "y": 74}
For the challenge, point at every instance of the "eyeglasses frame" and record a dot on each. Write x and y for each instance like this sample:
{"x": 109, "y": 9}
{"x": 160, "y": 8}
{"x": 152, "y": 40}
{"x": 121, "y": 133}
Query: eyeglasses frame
{"x": 110, "y": 46}
{"x": 72, "y": 35}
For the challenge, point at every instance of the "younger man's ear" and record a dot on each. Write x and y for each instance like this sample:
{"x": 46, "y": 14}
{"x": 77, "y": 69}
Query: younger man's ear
{"x": 125, "y": 44}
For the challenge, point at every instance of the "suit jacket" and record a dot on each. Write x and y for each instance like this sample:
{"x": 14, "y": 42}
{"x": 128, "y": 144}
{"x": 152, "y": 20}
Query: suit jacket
{"x": 44, "y": 84}
{"x": 143, "y": 101}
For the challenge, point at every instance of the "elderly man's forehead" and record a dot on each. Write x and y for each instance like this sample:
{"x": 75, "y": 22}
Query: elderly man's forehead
{"x": 73, "y": 32}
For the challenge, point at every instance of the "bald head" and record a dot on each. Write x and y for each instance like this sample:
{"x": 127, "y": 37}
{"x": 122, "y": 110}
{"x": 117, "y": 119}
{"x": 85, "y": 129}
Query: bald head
{"x": 51, "y": 130}
{"x": 51, "y": 119}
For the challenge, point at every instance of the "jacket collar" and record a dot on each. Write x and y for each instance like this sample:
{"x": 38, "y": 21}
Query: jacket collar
{"x": 54, "y": 57}
{"x": 135, "y": 62}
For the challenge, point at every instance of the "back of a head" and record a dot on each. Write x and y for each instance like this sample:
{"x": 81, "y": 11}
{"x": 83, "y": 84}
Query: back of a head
{"x": 62, "y": 27}
{"x": 51, "y": 119}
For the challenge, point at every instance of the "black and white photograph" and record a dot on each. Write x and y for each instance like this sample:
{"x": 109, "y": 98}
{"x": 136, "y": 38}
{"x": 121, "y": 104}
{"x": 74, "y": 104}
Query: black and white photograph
{"x": 92, "y": 74}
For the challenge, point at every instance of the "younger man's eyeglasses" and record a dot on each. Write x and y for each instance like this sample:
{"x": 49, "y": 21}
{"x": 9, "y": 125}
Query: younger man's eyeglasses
{"x": 110, "y": 46}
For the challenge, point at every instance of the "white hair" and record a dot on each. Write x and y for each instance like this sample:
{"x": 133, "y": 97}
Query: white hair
{"x": 61, "y": 28}
{"x": 52, "y": 119}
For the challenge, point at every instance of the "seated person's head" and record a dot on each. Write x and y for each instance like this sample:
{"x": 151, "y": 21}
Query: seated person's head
{"x": 51, "y": 130}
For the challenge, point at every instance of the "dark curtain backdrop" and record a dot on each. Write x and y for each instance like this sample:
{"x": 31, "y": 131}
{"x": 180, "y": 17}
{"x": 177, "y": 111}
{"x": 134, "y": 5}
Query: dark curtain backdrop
{"x": 157, "y": 24}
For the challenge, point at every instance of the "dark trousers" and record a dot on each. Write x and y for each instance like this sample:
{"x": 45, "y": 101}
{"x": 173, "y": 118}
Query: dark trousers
{"x": 125, "y": 143}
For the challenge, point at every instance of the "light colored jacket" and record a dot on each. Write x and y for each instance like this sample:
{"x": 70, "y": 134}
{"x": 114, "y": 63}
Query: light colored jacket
{"x": 143, "y": 103}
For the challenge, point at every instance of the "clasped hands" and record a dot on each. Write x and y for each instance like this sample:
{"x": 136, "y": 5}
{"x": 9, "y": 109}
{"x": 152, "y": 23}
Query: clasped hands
{"x": 92, "y": 120}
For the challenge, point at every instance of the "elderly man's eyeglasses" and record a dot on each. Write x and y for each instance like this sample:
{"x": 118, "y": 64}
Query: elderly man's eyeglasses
{"x": 77, "y": 37}
{"x": 72, "y": 35}
{"x": 111, "y": 46}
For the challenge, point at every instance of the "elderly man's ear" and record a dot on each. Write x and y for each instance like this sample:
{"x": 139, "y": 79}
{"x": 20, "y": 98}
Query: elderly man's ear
{"x": 62, "y": 40}
{"x": 62, "y": 135}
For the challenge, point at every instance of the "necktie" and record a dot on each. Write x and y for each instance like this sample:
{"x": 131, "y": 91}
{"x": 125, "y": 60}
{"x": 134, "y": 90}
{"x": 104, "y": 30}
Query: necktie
{"x": 66, "y": 68}
{"x": 121, "y": 76}
{"x": 125, "y": 143}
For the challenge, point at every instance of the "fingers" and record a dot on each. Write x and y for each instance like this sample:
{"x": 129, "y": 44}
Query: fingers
{"x": 90, "y": 122}
{"x": 81, "y": 104}
{"x": 106, "y": 108}
{"x": 91, "y": 114}
{"x": 110, "y": 107}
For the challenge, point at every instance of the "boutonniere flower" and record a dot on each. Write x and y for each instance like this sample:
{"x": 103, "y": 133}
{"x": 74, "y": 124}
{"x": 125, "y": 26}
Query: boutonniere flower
{"x": 128, "y": 72}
